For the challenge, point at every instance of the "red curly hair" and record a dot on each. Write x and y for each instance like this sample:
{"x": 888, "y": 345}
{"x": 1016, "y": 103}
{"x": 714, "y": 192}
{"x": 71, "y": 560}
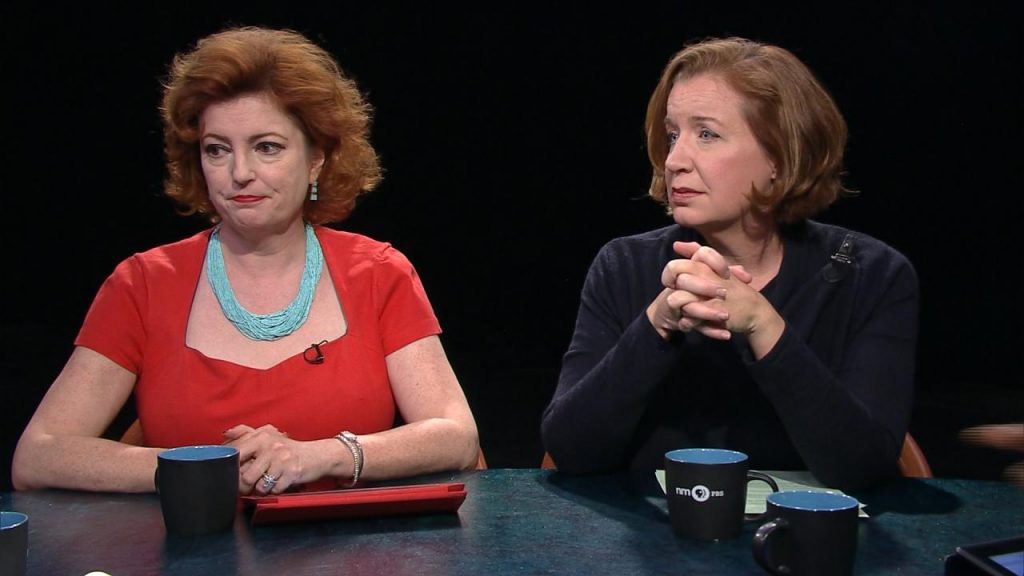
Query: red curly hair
{"x": 303, "y": 79}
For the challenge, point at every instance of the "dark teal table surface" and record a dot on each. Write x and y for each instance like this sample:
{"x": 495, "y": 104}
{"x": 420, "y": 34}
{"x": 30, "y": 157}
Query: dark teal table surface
{"x": 518, "y": 521}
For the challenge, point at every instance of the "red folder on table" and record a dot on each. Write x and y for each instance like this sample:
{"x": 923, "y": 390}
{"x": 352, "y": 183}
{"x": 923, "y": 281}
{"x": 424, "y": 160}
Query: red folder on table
{"x": 384, "y": 501}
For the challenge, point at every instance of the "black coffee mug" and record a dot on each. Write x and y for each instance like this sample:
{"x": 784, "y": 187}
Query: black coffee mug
{"x": 13, "y": 543}
{"x": 707, "y": 492}
{"x": 810, "y": 534}
{"x": 198, "y": 488}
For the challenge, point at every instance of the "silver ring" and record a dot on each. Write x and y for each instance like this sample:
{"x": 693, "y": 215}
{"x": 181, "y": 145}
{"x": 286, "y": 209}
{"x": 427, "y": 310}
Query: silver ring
{"x": 268, "y": 482}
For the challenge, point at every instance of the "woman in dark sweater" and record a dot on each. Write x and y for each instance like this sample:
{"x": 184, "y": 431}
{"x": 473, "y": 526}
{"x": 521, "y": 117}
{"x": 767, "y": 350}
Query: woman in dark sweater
{"x": 744, "y": 324}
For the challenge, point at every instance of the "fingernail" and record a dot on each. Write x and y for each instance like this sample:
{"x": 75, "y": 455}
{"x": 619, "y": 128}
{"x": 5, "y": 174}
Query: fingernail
{"x": 721, "y": 293}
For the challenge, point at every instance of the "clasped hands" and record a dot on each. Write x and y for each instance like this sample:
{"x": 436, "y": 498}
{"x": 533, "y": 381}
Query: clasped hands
{"x": 704, "y": 293}
{"x": 266, "y": 452}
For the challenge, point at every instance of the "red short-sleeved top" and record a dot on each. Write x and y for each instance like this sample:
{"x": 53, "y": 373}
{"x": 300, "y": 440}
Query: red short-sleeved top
{"x": 140, "y": 313}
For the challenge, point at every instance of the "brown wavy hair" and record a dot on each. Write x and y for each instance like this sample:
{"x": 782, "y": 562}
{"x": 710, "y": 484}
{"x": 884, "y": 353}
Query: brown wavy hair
{"x": 790, "y": 113}
{"x": 303, "y": 79}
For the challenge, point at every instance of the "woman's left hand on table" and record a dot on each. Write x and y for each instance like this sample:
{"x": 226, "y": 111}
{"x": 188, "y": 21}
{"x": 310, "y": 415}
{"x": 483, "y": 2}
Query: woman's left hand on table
{"x": 270, "y": 461}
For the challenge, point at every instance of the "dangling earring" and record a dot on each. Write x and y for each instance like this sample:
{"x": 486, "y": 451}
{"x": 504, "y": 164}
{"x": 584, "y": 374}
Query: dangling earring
{"x": 313, "y": 191}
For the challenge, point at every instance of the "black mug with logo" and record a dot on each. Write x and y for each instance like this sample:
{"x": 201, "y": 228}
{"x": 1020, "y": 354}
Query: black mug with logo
{"x": 707, "y": 492}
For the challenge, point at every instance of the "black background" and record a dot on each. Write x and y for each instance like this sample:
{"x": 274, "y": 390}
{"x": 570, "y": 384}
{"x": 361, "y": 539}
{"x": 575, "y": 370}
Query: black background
{"x": 513, "y": 147}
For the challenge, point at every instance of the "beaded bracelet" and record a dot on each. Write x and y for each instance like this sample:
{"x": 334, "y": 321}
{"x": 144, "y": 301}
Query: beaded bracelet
{"x": 349, "y": 439}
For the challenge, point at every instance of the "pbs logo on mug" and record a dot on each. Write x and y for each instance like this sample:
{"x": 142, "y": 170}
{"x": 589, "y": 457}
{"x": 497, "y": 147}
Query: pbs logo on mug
{"x": 700, "y": 493}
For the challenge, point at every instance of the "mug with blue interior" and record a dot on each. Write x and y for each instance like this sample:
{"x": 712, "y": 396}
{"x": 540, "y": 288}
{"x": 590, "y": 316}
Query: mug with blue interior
{"x": 198, "y": 488}
{"x": 810, "y": 533}
{"x": 13, "y": 543}
{"x": 707, "y": 492}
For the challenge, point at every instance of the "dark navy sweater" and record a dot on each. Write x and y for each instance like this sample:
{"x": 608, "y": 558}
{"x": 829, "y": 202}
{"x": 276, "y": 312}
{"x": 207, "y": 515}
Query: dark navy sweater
{"x": 833, "y": 396}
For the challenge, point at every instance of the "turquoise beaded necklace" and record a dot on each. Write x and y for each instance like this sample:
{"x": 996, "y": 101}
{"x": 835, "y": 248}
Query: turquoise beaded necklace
{"x": 276, "y": 324}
